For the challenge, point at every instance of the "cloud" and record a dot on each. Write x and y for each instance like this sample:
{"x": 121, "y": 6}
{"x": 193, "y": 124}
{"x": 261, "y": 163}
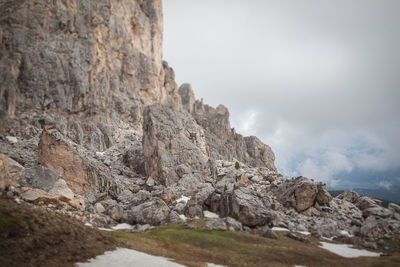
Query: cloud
{"x": 319, "y": 88}
{"x": 385, "y": 184}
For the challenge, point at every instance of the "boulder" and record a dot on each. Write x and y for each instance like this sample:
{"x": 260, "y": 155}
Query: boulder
{"x": 62, "y": 191}
{"x": 193, "y": 209}
{"x": 99, "y": 208}
{"x": 38, "y": 177}
{"x": 9, "y": 172}
{"x": 58, "y": 154}
{"x": 298, "y": 193}
{"x": 37, "y": 195}
{"x": 268, "y": 233}
{"x": 394, "y": 207}
{"x": 350, "y": 196}
{"x": 154, "y": 212}
{"x": 298, "y": 238}
{"x": 233, "y": 225}
{"x": 216, "y": 224}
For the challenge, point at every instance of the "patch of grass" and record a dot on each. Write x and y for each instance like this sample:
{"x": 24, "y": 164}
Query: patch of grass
{"x": 237, "y": 165}
{"x": 235, "y": 216}
{"x": 195, "y": 247}
{"x": 31, "y": 236}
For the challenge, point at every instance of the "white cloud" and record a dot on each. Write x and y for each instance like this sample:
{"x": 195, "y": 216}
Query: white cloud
{"x": 385, "y": 184}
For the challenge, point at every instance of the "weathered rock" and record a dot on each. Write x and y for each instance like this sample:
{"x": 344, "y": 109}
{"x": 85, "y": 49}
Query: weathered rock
{"x": 298, "y": 193}
{"x": 268, "y": 233}
{"x": 370, "y": 228}
{"x": 193, "y": 209}
{"x": 153, "y": 212}
{"x": 323, "y": 196}
{"x": 62, "y": 62}
{"x": 58, "y": 155}
{"x": 350, "y": 196}
{"x": 38, "y": 177}
{"x": 394, "y": 207}
{"x": 222, "y": 141}
{"x": 171, "y": 137}
{"x": 62, "y": 191}
{"x": 187, "y": 97}
{"x": 99, "y": 208}
{"x": 216, "y": 224}
{"x": 38, "y": 195}
{"x": 364, "y": 203}
{"x": 9, "y": 172}
{"x": 298, "y": 238}
{"x": 78, "y": 203}
{"x": 116, "y": 212}
{"x": 233, "y": 225}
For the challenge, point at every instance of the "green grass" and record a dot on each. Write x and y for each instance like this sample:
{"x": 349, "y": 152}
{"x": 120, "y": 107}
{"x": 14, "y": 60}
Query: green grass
{"x": 195, "y": 247}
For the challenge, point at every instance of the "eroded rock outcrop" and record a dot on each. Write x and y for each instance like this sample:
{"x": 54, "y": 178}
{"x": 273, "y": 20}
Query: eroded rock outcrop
{"x": 301, "y": 193}
{"x": 222, "y": 141}
{"x": 171, "y": 137}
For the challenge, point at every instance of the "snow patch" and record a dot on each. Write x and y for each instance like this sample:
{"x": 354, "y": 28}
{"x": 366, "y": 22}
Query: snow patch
{"x": 88, "y": 224}
{"x": 122, "y": 226}
{"x": 215, "y": 265}
{"x": 105, "y": 229}
{"x": 124, "y": 257}
{"x": 12, "y": 139}
{"x": 347, "y": 251}
{"x": 209, "y": 214}
{"x": 345, "y": 233}
{"x": 183, "y": 199}
{"x": 303, "y": 232}
{"x": 182, "y": 217}
{"x": 280, "y": 229}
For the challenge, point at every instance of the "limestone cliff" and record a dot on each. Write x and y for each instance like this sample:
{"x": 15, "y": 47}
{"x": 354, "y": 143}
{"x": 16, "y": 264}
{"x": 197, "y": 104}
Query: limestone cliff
{"x": 80, "y": 57}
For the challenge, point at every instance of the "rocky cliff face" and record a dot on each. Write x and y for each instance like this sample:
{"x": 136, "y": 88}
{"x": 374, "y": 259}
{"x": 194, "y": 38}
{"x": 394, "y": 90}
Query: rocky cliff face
{"x": 92, "y": 119}
{"x": 85, "y": 58}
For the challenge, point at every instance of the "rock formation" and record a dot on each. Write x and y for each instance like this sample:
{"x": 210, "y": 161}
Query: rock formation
{"x": 92, "y": 121}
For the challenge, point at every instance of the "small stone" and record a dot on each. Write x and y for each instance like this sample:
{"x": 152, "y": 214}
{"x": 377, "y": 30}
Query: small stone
{"x": 150, "y": 182}
{"x": 268, "y": 233}
{"x": 99, "y": 208}
{"x": 12, "y": 139}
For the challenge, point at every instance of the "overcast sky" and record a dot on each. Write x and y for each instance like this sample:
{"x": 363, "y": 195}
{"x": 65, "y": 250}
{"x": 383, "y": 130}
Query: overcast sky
{"x": 317, "y": 80}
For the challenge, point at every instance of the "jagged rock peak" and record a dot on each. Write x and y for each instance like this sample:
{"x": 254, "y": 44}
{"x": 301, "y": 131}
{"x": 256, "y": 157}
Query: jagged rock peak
{"x": 222, "y": 141}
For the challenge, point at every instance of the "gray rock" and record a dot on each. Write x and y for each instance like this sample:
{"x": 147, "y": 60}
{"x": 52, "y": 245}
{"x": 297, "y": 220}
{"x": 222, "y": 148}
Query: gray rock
{"x": 139, "y": 228}
{"x": 171, "y": 137}
{"x": 301, "y": 193}
{"x": 61, "y": 190}
{"x": 38, "y": 177}
{"x": 268, "y": 233}
{"x": 150, "y": 182}
{"x": 193, "y": 209}
{"x": 298, "y": 238}
{"x": 99, "y": 208}
{"x": 154, "y": 212}
{"x": 370, "y": 245}
{"x": 233, "y": 224}
{"x": 116, "y": 212}
{"x": 394, "y": 207}
{"x": 350, "y": 196}
{"x": 216, "y": 224}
